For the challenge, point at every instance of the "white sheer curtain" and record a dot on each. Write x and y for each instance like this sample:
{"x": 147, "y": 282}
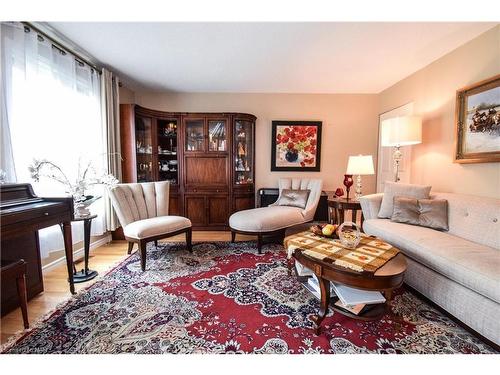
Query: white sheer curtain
{"x": 52, "y": 108}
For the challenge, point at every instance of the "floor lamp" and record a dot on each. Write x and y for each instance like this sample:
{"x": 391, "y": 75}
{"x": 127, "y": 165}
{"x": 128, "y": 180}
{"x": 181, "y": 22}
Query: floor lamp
{"x": 400, "y": 131}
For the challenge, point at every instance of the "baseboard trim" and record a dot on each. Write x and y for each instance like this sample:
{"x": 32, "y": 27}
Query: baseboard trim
{"x": 78, "y": 253}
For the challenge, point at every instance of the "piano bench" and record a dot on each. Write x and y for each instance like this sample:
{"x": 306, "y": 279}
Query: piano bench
{"x": 11, "y": 270}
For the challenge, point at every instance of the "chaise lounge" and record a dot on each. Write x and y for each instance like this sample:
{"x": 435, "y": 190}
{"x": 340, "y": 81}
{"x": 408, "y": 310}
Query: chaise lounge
{"x": 274, "y": 219}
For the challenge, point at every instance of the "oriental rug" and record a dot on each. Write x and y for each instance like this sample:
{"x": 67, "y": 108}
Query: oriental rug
{"x": 226, "y": 298}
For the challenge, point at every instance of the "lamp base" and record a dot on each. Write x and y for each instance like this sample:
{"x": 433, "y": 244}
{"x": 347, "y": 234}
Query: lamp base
{"x": 358, "y": 194}
{"x": 397, "y": 156}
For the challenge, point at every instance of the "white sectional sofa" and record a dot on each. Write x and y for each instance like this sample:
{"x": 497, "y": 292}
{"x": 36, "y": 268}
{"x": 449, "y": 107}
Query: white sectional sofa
{"x": 459, "y": 270}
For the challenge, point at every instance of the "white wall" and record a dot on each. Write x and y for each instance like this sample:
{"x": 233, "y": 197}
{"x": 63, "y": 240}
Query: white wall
{"x": 433, "y": 91}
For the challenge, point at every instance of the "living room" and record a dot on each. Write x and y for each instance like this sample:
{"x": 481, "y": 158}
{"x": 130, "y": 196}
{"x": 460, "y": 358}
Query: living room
{"x": 209, "y": 184}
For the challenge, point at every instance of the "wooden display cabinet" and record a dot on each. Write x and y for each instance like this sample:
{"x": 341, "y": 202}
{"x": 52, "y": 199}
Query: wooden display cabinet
{"x": 208, "y": 158}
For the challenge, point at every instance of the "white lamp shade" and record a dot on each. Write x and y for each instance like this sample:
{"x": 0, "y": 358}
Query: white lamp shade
{"x": 361, "y": 164}
{"x": 401, "y": 131}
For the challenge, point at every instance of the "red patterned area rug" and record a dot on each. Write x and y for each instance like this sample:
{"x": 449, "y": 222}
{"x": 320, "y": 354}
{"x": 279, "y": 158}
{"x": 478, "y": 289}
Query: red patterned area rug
{"x": 225, "y": 298}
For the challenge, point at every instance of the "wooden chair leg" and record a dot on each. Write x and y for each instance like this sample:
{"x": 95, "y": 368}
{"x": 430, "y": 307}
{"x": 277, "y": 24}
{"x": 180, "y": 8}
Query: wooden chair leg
{"x": 156, "y": 243}
{"x": 282, "y": 236}
{"x": 189, "y": 241}
{"x": 130, "y": 247}
{"x": 142, "y": 248}
{"x": 233, "y": 236}
{"x": 259, "y": 243}
{"x": 21, "y": 292}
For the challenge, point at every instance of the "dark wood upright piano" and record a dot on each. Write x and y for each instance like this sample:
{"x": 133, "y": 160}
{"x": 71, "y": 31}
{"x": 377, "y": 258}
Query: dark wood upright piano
{"x": 22, "y": 214}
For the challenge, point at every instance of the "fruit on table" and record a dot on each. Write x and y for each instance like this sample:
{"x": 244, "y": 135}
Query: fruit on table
{"x": 328, "y": 229}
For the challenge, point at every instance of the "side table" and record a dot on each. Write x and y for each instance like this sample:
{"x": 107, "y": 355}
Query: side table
{"x": 85, "y": 274}
{"x": 339, "y": 206}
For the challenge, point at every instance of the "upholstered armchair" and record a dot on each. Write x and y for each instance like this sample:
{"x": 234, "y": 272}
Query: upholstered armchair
{"x": 142, "y": 209}
{"x": 274, "y": 219}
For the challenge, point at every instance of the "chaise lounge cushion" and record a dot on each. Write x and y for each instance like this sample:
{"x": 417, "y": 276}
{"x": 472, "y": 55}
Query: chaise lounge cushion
{"x": 468, "y": 263}
{"x": 155, "y": 226}
{"x": 266, "y": 219}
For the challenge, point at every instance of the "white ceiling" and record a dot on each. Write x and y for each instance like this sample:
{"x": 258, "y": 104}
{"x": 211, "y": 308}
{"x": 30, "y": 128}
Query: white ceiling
{"x": 268, "y": 57}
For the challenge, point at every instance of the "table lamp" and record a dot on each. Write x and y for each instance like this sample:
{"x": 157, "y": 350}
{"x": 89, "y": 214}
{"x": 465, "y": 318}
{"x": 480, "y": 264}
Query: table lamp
{"x": 360, "y": 165}
{"x": 400, "y": 131}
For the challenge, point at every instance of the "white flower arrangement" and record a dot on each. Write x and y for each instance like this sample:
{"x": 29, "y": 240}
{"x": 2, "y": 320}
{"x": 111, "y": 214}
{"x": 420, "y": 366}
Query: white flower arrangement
{"x": 85, "y": 179}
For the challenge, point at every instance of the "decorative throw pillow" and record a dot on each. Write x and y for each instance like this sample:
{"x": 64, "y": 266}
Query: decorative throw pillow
{"x": 430, "y": 213}
{"x": 293, "y": 198}
{"x": 393, "y": 189}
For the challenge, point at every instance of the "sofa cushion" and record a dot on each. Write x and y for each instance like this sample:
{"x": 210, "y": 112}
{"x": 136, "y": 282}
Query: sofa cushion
{"x": 431, "y": 213}
{"x": 155, "y": 226}
{"x": 266, "y": 219}
{"x": 398, "y": 189}
{"x": 468, "y": 263}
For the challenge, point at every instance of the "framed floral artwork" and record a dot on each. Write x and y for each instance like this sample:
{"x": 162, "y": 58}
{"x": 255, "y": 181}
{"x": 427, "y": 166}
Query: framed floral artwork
{"x": 478, "y": 122}
{"x": 296, "y": 146}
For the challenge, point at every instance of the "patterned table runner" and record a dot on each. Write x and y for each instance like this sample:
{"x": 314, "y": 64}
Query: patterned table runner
{"x": 371, "y": 253}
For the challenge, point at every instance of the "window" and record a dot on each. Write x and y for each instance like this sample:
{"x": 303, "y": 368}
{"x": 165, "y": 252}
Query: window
{"x": 53, "y": 112}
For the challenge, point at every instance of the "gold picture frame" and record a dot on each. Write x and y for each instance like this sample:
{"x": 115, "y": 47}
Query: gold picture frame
{"x": 477, "y": 119}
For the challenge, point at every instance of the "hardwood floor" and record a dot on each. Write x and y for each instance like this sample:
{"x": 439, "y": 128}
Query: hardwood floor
{"x": 101, "y": 260}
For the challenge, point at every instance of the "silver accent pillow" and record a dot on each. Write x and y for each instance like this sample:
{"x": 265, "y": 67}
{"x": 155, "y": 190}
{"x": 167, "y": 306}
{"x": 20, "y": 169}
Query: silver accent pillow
{"x": 430, "y": 213}
{"x": 399, "y": 189}
{"x": 293, "y": 198}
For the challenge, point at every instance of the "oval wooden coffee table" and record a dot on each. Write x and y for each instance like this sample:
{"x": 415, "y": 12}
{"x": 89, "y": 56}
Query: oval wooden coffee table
{"x": 385, "y": 279}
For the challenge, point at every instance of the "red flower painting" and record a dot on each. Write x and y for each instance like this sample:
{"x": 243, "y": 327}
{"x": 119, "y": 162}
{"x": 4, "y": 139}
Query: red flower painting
{"x": 296, "y": 145}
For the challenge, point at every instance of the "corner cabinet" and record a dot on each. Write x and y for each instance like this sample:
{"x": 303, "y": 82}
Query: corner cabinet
{"x": 208, "y": 158}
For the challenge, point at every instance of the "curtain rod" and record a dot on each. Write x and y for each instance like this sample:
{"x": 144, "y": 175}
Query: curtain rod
{"x": 63, "y": 47}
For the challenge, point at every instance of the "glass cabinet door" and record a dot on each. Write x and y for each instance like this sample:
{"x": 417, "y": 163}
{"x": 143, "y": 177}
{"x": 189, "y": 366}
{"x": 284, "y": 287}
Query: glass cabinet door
{"x": 243, "y": 142}
{"x": 167, "y": 151}
{"x": 144, "y": 148}
{"x": 194, "y": 135}
{"x": 217, "y": 135}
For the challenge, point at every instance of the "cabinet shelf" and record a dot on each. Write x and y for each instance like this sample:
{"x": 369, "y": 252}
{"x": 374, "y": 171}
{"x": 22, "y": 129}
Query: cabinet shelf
{"x": 168, "y": 155}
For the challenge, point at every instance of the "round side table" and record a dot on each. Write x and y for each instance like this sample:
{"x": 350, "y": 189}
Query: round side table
{"x": 85, "y": 274}
{"x": 339, "y": 206}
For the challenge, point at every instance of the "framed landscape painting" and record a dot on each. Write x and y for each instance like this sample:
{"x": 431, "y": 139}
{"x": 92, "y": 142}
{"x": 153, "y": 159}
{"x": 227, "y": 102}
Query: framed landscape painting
{"x": 478, "y": 122}
{"x": 296, "y": 146}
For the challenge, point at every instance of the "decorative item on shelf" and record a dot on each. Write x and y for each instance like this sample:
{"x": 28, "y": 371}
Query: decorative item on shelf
{"x": 348, "y": 182}
{"x": 339, "y": 192}
{"x": 164, "y": 167}
{"x": 360, "y": 165}
{"x": 241, "y": 133}
{"x": 400, "y": 131}
{"x": 3, "y": 177}
{"x": 141, "y": 149}
{"x": 217, "y": 135}
{"x": 172, "y": 165}
{"x": 170, "y": 129}
{"x": 477, "y": 138}
{"x": 78, "y": 188}
{"x": 240, "y": 167}
{"x": 296, "y": 146}
{"x": 241, "y": 149}
{"x": 349, "y": 234}
{"x": 325, "y": 230}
